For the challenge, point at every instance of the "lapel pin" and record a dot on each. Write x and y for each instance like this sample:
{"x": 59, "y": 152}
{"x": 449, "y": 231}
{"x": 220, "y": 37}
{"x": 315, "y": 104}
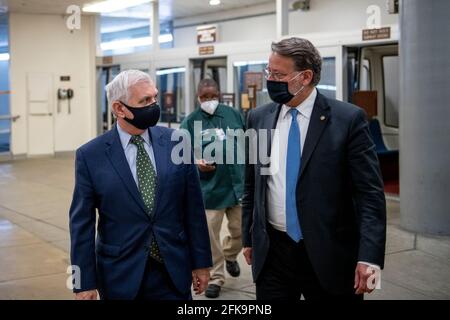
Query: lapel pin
{"x": 322, "y": 118}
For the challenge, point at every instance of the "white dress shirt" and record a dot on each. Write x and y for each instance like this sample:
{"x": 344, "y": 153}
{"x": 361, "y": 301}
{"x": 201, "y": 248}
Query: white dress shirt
{"x": 130, "y": 149}
{"x": 276, "y": 183}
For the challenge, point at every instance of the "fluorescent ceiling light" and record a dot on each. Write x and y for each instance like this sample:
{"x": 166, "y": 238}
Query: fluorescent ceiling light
{"x": 4, "y": 56}
{"x": 123, "y": 27}
{"x": 170, "y": 71}
{"x": 112, "y": 5}
{"x": 214, "y": 2}
{"x": 249, "y": 63}
{"x": 136, "y": 42}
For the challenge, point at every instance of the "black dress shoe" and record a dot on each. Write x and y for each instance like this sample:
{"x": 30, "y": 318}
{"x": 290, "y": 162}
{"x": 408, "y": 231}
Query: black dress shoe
{"x": 233, "y": 268}
{"x": 212, "y": 291}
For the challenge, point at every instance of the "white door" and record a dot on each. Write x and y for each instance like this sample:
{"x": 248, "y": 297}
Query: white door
{"x": 40, "y": 101}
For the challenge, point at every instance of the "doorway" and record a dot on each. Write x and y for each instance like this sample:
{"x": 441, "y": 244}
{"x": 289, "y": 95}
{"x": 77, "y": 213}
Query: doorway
{"x": 105, "y": 119}
{"x": 208, "y": 68}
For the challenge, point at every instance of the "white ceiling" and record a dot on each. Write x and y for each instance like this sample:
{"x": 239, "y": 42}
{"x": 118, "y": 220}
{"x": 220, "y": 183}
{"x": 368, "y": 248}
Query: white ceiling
{"x": 169, "y": 9}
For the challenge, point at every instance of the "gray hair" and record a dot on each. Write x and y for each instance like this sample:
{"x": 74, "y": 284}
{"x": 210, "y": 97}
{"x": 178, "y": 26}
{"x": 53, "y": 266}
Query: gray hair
{"x": 304, "y": 54}
{"x": 118, "y": 89}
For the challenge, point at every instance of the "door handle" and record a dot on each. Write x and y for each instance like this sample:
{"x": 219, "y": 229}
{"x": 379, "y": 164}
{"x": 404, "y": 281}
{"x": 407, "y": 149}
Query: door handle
{"x": 9, "y": 117}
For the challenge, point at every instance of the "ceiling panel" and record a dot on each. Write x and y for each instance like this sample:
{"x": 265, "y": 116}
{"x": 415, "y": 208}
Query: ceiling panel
{"x": 169, "y": 9}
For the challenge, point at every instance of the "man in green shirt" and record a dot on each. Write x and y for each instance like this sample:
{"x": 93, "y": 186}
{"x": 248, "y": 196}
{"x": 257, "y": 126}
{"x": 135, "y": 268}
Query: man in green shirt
{"x": 222, "y": 182}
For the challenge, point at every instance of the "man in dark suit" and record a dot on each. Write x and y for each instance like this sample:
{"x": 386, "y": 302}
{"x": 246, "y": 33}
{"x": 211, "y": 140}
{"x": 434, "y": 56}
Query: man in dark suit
{"x": 314, "y": 217}
{"x": 152, "y": 237}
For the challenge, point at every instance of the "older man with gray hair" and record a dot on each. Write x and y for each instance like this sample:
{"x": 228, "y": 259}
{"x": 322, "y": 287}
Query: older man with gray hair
{"x": 152, "y": 239}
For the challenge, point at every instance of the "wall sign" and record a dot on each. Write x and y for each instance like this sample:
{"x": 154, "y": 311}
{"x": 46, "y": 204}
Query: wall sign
{"x": 376, "y": 34}
{"x": 206, "y": 50}
{"x": 206, "y": 34}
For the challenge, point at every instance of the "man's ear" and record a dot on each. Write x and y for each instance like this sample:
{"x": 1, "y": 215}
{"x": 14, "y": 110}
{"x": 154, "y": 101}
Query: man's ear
{"x": 118, "y": 109}
{"x": 308, "y": 76}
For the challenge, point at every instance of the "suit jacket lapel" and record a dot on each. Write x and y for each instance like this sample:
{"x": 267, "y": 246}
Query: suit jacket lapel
{"x": 270, "y": 122}
{"x": 162, "y": 160}
{"x": 319, "y": 119}
{"x": 118, "y": 160}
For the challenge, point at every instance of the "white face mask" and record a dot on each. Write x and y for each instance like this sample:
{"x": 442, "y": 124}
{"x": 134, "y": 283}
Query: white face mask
{"x": 209, "y": 106}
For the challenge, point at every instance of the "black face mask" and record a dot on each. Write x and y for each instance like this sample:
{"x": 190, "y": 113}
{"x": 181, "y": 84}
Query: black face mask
{"x": 144, "y": 117}
{"x": 279, "y": 91}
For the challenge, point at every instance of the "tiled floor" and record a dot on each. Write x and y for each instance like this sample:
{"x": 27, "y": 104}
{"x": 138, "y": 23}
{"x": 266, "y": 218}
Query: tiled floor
{"x": 35, "y": 196}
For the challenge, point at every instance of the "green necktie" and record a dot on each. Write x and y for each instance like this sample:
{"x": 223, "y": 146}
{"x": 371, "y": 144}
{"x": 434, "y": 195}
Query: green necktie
{"x": 146, "y": 175}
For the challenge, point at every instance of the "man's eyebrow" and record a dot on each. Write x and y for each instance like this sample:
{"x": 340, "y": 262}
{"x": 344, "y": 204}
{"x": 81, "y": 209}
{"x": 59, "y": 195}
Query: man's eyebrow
{"x": 144, "y": 98}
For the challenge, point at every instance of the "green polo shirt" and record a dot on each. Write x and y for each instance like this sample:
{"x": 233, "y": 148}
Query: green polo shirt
{"x": 223, "y": 187}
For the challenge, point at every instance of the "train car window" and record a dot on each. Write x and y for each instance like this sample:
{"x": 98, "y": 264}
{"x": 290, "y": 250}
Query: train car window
{"x": 327, "y": 85}
{"x": 391, "y": 83}
{"x": 170, "y": 83}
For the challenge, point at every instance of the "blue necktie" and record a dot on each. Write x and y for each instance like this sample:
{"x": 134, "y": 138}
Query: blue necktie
{"x": 292, "y": 169}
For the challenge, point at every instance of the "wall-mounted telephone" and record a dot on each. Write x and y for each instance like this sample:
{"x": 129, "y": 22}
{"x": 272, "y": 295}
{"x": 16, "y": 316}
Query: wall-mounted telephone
{"x": 65, "y": 94}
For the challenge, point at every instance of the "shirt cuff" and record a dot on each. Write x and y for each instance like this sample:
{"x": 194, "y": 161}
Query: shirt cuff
{"x": 375, "y": 266}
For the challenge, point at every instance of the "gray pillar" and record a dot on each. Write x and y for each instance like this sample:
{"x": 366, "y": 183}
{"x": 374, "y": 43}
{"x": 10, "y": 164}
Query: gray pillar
{"x": 282, "y": 18}
{"x": 425, "y": 116}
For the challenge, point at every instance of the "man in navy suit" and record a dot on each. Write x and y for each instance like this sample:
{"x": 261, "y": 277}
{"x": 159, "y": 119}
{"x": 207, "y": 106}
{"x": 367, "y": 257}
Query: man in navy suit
{"x": 152, "y": 238}
{"x": 314, "y": 225}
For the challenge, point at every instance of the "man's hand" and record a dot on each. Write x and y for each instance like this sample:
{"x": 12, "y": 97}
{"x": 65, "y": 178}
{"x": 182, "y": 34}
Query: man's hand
{"x": 204, "y": 167}
{"x": 200, "y": 278}
{"x": 362, "y": 274}
{"x": 248, "y": 255}
{"x": 86, "y": 295}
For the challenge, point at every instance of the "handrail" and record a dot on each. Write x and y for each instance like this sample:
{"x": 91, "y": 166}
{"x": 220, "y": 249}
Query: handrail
{"x": 9, "y": 117}
{"x": 5, "y": 92}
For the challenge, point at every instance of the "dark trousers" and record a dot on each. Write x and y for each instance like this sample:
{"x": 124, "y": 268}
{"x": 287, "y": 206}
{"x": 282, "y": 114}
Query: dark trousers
{"x": 288, "y": 274}
{"x": 157, "y": 284}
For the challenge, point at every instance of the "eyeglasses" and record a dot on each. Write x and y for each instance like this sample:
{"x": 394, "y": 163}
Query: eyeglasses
{"x": 275, "y": 75}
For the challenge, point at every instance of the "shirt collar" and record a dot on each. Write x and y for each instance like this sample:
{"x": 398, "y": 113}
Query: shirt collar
{"x": 305, "y": 108}
{"x": 125, "y": 136}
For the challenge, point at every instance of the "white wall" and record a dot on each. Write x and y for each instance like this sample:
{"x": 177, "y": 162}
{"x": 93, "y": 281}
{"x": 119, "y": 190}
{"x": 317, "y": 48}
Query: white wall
{"x": 337, "y": 15}
{"x": 324, "y": 16}
{"x": 42, "y": 43}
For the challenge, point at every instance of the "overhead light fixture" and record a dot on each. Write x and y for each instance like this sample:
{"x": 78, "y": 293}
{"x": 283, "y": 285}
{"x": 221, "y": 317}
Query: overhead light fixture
{"x": 133, "y": 43}
{"x": 170, "y": 71}
{"x": 214, "y": 2}
{"x": 4, "y": 56}
{"x": 112, "y": 5}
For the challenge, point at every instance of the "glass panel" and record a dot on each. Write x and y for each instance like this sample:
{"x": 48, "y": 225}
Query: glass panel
{"x": 5, "y": 122}
{"x": 240, "y": 69}
{"x": 327, "y": 84}
{"x": 352, "y": 81}
{"x": 170, "y": 83}
{"x": 391, "y": 80}
{"x": 128, "y": 31}
{"x": 365, "y": 76}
